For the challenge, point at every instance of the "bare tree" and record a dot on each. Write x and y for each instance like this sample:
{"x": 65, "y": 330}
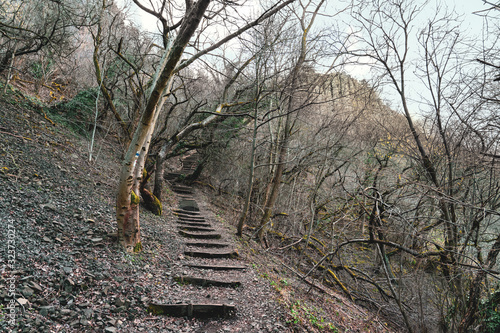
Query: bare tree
{"x": 127, "y": 201}
{"x": 52, "y": 28}
{"x": 440, "y": 146}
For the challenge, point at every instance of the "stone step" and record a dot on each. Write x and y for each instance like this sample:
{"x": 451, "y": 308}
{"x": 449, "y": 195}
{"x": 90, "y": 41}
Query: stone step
{"x": 207, "y": 282}
{"x": 190, "y": 205}
{"x": 200, "y": 235}
{"x": 211, "y": 254}
{"x": 192, "y": 310}
{"x": 216, "y": 267}
{"x": 189, "y": 228}
{"x": 207, "y": 244}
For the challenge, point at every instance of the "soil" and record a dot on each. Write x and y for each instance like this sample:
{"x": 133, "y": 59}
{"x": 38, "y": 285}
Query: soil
{"x": 62, "y": 270}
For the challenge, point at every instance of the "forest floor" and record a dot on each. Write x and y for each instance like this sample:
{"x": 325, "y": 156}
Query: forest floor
{"x": 62, "y": 271}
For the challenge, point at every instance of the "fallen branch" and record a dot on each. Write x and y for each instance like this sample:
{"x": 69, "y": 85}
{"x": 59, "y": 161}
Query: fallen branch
{"x": 17, "y": 136}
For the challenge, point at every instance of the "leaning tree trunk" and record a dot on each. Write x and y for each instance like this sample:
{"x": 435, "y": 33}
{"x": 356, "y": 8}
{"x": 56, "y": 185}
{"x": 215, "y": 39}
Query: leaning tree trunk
{"x": 127, "y": 202}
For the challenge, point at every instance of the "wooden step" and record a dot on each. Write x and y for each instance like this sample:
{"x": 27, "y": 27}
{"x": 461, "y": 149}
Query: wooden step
{"x": 189, "y": 228}
{"x": 200, "y": 222}
{"x": 185, "y": 196}
{"x": 216, "y": 267}
{"x": 194, "y": 224}
{"x": 200, "y": 235}
{"x": 185, "y": 212}
{"x": 206, "y": 282}
{"x": 182, "y": 187}
{"x": 207, "y": 244}
{"x": 192, "y": 218}
{"x": 192, "y": 310}
{"x": 182, "y": 191}
{"x": 172, "y": 175}
{"x": 211, "y": 254}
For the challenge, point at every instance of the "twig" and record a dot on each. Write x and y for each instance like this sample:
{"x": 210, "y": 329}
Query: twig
{"x": 311, "y": 283}
{"x": 17, "y": 136}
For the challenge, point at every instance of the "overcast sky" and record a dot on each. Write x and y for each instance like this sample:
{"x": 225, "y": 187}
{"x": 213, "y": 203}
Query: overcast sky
{"x": 469, "y": 10}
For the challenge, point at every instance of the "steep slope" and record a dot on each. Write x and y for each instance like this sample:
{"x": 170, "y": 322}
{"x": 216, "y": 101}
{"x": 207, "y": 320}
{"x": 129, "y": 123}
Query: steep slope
{"x": 68, "y": 275}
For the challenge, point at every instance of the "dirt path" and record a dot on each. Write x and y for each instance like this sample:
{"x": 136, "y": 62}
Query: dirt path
{"x": 217, "y": 285}
{"x": 69, "y": 275}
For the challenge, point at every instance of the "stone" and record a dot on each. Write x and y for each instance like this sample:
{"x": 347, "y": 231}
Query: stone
{"x": 22, "y": 301}
{"x": 27, "y": 292}
{"x": 110, "y": 329}
{"x": 88, "y": 313}
{"x": 67, "y": 270}
{"x": 119, "y": 279}
{"x": 36, "y": 286}
{"x": 119, "y": 309}
{"x": 45, "y": 310}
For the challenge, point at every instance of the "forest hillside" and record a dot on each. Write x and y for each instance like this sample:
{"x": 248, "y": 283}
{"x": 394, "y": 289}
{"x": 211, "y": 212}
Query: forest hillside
{"x": 288, "y": 166}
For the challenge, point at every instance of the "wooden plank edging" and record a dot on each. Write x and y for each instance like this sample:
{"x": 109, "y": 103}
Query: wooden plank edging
{"x": 192, "y": 310}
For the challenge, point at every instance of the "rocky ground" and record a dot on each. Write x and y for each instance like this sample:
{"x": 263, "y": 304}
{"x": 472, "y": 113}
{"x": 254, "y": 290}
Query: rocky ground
{"x": 63, "y": 272}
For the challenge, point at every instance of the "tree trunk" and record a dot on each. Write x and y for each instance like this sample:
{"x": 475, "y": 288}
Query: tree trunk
{"x": 276, "y": 181}
{"x": 104, "y": 91}
{"x": 9, "y": 74}
{"x": 471, "y": 313}
{"x": 244, "y": 213}
{"x": 167, "y": 148}
{"x": 160, "y": 170}
{"x": 127, "y": 213}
